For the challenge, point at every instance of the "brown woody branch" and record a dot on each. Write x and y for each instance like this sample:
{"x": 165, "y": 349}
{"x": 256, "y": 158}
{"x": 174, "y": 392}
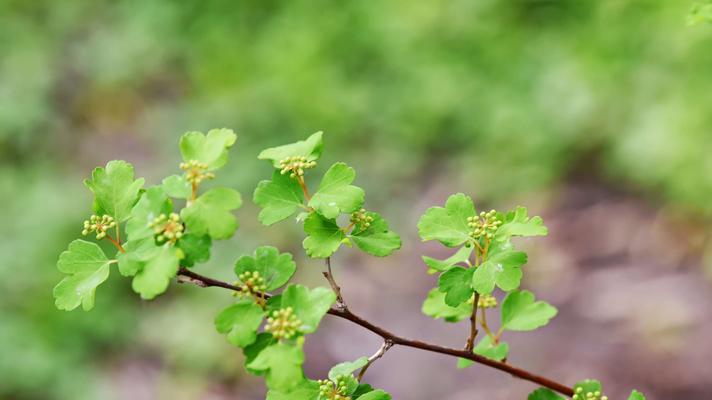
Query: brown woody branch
{"x": 203, "y": 281}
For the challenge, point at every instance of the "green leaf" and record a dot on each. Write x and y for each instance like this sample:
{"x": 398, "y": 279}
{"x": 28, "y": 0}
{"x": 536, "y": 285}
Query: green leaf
{"x": 251, "y": 352}
{"x": 153, "y": 203}
{"x": 323, "y": 236}
{"x": 517, "y": 223}
{"x": 137, "y": 252}
{"x": 282, "y": 364}
{"x": 88, "y": 268}
{"x": 279, "y": 198}
{"x": 336, "y": 195}
{"x": 502, "y": 268}
{"x": 377, "y": 239}
{"x": 211, "y": 149}
{"x": 361, "y": 390}
{"x": 240, "y": 322}
{"x": 462, "y": 256}
{"x": 177, "y": 186}
{"x": 115, "y": 190}
{"x": 210, "y": 213}
{"x": 434, "y": 306}
{"x": 309, "y": 305}
{"x": 310, "y": 148}
{"x": 485, "y": 348}
{"x": 544, "y": 394}
{"x": 306, "y": 390}
{"x": 347, "y": 368}
{"x": 156, "y": 272}
{"x": 521, "y": 313}
{"x": 273, "y": 267}
{"x": 588, "y": 386}
{"x": 448, "y": 225}
{"x": 375, "y": 395}
{"x": 456, "y": 283}
{"x": 195, "y": 248}
{"x": 636, "y": 395}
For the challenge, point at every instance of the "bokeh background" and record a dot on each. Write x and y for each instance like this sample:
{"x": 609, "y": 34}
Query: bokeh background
{"x": 594, "y": 114}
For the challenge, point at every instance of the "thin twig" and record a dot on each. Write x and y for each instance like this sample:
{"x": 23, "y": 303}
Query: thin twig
{"x": 398, "y": 340}
{"x": 334, "y": 286}
{"x": 115, "y": 243}
{"x": 470, "y": 344}
{"x": 387, "y": 344}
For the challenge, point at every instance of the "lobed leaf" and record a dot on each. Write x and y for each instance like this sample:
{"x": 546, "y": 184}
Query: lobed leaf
{"x": 517, "y": 223}
{"x": 521, "y": 313}
{"x": 448, "y": 225}
{"x": 461, "y": 256}
{"x": 335, "y": 194}
{"x": 210, "y": 149}
{"x": 152, "y": 203}
{"x": 434, "y": 306}
{"x": 279, "y": 198}
{"x": 377, "y": 239}
{"x": 210, "y": 213}
{"x": 323, "y": 236}
{"x": 240, "y": 322}
{"x": 177, "y": 186}
{"x": 88, "y": 268}
{"x": 502, "y": 269}
{"x": 273, "y": 267}
{"x": 115, "y": 190}
{"x": 310, "y": 148}
{"x": 310, "y": 306}
{"x": 456, "y": 283}
{"x": 194, "y": 249}
{"x": 282, "y": 365}
{"x": 347, "y": 368}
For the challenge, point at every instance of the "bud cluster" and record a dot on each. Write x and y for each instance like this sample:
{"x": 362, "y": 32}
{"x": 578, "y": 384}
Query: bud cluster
{"x": 485, "y": 225}
{"x": 580, "y": 395}
{"x": 361, "y": 219}
{"x": 487, "y": 301}
{"x": 99, "y": 225}
{"x": 251, "y": 284}
{"x": 329, "y": 390}
{"x": 295, "y": 165}
{"x": 167, "y": 228}
{"x": 196, "y": 172}
{"x": 283, "y": 324}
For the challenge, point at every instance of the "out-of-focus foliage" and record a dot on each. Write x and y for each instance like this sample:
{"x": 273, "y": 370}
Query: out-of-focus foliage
{"x": 536, "y": 88}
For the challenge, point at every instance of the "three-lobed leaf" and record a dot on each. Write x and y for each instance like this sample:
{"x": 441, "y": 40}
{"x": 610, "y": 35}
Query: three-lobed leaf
{"x": 157, "y": 268}
{"x": 240, "y": 322}
{"x": 448, "y": 224}
{"x": 282, "y": 365}
{"x": 461, "y": 256}
{"x": 115, "y": 189}
{"x": 517, "y": 223}
{"x": 335, "y": 194}
{"x": 210, "y": 149}
{"x": 211, "y": 213}
{"x": 323, "y": 236}
{"x": 309, "y": 305}
{"x": 502, "y": 268}
{"x": 310, "y": 148}
{"x": 377, "y": 239}
{"x": 456, "y": 283}
{"x": 153, "y": 202}
{"x": 520, "y": 312}
{"x": 279, "y": 198}
{"x": 273, "y": 267}
{"x": 87, "y": 267}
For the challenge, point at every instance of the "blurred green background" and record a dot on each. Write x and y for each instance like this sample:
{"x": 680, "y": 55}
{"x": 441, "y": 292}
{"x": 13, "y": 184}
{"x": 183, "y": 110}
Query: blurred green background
{"x": 596, "y": 114}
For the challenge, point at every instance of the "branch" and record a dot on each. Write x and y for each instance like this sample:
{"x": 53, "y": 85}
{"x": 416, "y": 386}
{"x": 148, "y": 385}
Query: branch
{"x": 346, "y": 314}
{"x": 470, "y": 344}
{"x": 387, "y": 344}
{"x": 340, "y": 304}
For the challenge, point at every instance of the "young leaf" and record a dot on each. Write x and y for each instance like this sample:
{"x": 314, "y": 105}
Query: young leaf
{"x": 336, "y": 195}
{"x": 211, "y": 149}
{"x": 159, "y": 266}
{"x": 115, "y": 190}
{"x": 309, "y": 305}
{"x": 347, "y": 368}
{"x": 273, "y": 267}
{"x": 210, "y": 213}
{"x": 240, "y": 322}
{"x": 434, "y": 306}
{"x": 502, "y": 268}
{"x": 375, "y": 395}
{"x": 460, "y": 257}
{"x": 251, "y": 351}
{"x": 521, "y": 313}
{"x": 282, "y": 364}
{"x": 88, "y": 268}
{"x": 544, "y": 394}
{"x": 177, "y": 186}
{"x": 310, "y": 148}
{"x": 195, "y": 248}
{"x": 456, "y": 283}
{"x": 279, "y": 198}
{"x": 485, "y": 348}
{"x": 323, "y": 236}
{"x": 448, "y": 225}
{"x": 636, "y": 395}
{"x": 377, "y": 239}
{"x": 517, "y": 223}
{"x": 153, "y": 203}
